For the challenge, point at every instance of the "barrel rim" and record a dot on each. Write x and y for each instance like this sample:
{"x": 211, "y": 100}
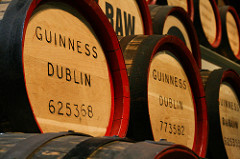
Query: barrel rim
{"x": 190, "y": 7}
{"x": 234, "y": 13}
{"x": 92, "y": 12}
{"x": 214, "y": 80}
{"x": 192, "y": 34}
{"x": 177, "y": 47}
{"x": 198, "y": 25}
{"x": 146, "y": 17}
{"x": 176, "y": 149}
{"x": 219, "y": 26}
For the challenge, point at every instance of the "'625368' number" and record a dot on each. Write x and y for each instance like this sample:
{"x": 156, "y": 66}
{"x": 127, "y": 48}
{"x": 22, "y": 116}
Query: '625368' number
{"x": 68, "y": 109}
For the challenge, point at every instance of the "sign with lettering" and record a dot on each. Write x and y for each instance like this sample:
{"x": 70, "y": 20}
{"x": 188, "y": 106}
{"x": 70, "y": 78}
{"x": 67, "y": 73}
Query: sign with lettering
{"x": 125, "y": 16}
{"x": 171, "y": 105}
{"x": 229, "y": 113}
{"x": 66, "y": 72}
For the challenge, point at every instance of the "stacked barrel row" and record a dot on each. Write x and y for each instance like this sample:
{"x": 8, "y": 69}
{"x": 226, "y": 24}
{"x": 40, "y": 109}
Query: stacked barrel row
{"x": 63, "y": 68}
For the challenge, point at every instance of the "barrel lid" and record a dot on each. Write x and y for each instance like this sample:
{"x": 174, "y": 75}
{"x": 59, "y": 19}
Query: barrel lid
{"x": 187, "y": 5}
{"x": 208, "y": 22}
{"x": 117, "y": 121}
{"x": 175, "y": 46}
{"x": 223, "y": 114}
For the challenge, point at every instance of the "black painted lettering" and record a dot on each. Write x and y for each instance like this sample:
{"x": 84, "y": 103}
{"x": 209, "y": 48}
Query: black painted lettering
{"x": 38, "y": 35}
{"x": 55, "y": 39}
{"x": 87, "y": 49}
{"x": 50, "y": 69}
{"x": 68, "y": 74}
{"x": 50, "y": 36}
{"x": 60, "y": 76}
{"x": 62, "y": 41}
{"x": 109, "y": 12}
{"x": 119, "y": 27}
{"x": 79, "y": 47}
{"x": 184, "y": 85}
{"x": 154, "y": 74}
{"x": 81, "y": 78}
{"x": 74, "y": 73}
{"x": 176, "y": 81}
{"x": 94, "y": 49}
{"x": 160, "y": 100}
{"x": 167, "y": 78}
{"x": 129, "y": 24}
{"x": 87, "y": 80}
{"x": 71, "y": 44}
{"x": 172, "y": 80}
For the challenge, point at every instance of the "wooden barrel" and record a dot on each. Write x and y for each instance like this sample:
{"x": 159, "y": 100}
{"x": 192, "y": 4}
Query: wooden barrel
{"x": 62, "y": 69}
{"x": 234, "y": 4}
{"x": 175, "y": 21}
{"x": 73, "y": 145}
{"x": 167, "y": 96}
{"x": 187, "y": 5}
{"x": 207, "y": 23}
{"x": 128, "y": 17}
{"x": 3, "y": 6}
{"x": 221, "y": 3}
{"x": 222, "y": 88}
{"x": 230, "y": 43}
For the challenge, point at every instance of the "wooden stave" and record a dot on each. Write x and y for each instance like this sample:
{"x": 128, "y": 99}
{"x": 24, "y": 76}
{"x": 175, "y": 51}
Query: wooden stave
{"x": 198, "y": 26}
{"x": 164, "y": 2}
{"x": 92, "y": 12}
{"x": 146, "y": 18}
{"x": 212, "y": 81}
{"x": 134, "y": 129}
{"x": 62, "y": 145}
{"x": 224, "y": 47}
{"x": 179, "y": 13}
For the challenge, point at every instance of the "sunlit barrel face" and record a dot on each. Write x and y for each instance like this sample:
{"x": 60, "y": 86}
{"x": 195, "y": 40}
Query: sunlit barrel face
{"x": 229, "y": 113}
{"x": 232, "y": 33}
{"x": 124, "y": 15}
{"x": 66, "y": 72}
{"x": 208, "y": 20}
{"x": 171, "y": 105}
{"x": 180, "y": 3}
{"x": 173, "y": 26}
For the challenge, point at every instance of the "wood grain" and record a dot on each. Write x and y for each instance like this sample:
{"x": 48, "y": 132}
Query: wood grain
{"x": 229, "y": 113}
{"x": 123, "y": 14}
{"x": 208, "y": 20}
{"x": 170, "y": 102}
{"x": 232, "y": 33}
{"x": 68, "y": 83}
{"x": 172, "y": 21}
{"x": 180, "y": 3}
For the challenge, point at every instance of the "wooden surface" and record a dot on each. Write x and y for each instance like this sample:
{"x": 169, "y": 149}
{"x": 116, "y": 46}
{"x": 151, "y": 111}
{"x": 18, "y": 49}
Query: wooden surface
{"x": 77, "y": 146}
{"x": 125, "y": 16}
{"x": 68, "y": 83}
{"x": 229, "y": 112}
{"x": 3, "y": 6}
{"x": 172, "y": 102}
{"x": 208, "y": 20}
{"x": 173, "y": 21}
{"x": 180, "y": 3}
{"x": 232, "y": 33}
